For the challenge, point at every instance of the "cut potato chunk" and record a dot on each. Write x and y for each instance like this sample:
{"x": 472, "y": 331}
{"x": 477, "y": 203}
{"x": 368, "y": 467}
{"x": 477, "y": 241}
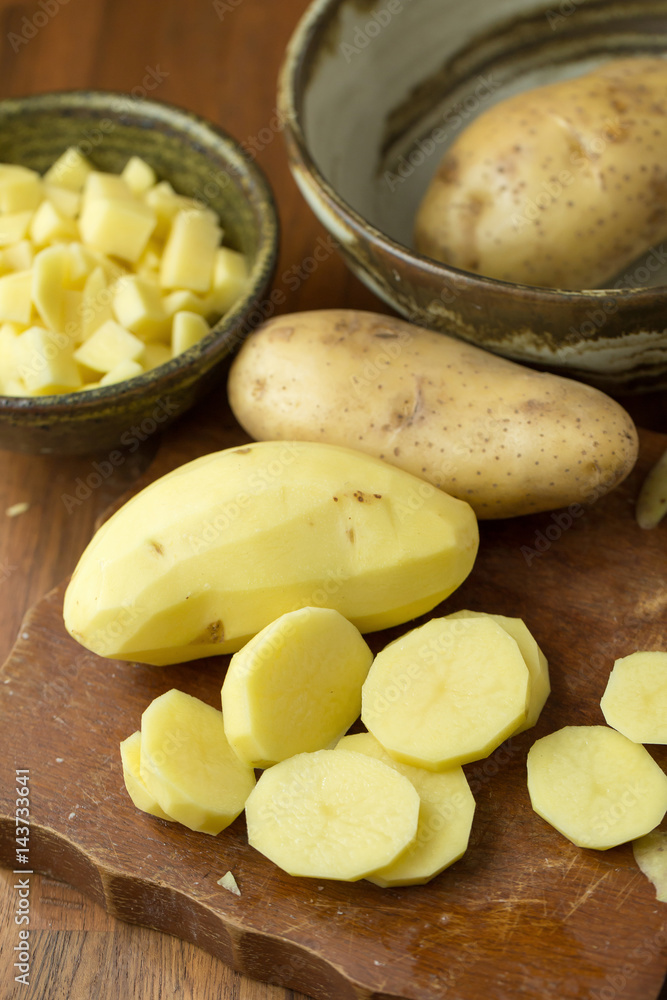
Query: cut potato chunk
{"x": 332, "y": 814}
{"x": 187, "y": 330}
{"x": 108, "y": 346}
{"x": 130, "y": 755}
{"x": 230, "y": 277}
{"x": 45, "y": 366}
{"x": 20, "y": 188}
{"x": 635, "y": 699}
{"x": 48, "y": 285}
{"x": 138, "y": 175}
{"x": 595, "y": 786}
{"x": 446, "y": 693}
{"x": 189, "y": 253}
{"x": 70, "y": 170}
{"x": 16, "y": 297}
{"x": 138, "y": 306}
{"x": 295, "y": 687}
{"x": 188, "y": 765}
{"x": 117, "y": 226}
{"x": 445, "y": 817}
{"x": 538, "y": 668}
{"x": 14, "y": 227}
{"x": 123, "y": 370}
{"x": 50, "y": 224}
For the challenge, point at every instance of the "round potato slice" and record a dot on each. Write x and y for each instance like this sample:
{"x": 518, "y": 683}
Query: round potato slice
{"x": 295, "y": 687}
{"x": 538, "y": 668}
{"x": 446, "y": 693}
{"x": 635, "y": 699}
{"x": 188, "y": 765}
{"x": 445, "y": 817}
{"x": 130, "y": 755}
{"x": 595, "y": 786}
{"x": 332, "y": 814}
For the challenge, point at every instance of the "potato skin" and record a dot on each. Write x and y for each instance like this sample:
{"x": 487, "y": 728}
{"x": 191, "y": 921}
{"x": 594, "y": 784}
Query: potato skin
{"x": 507, "y": 439}
{"x": 561, "y": 186}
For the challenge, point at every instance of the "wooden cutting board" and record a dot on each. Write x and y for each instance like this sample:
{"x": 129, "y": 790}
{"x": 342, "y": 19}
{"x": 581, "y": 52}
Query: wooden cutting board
{"x": 524, "y": 914}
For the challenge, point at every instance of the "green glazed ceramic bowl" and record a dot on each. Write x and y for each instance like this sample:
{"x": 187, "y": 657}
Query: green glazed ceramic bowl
{"x": 200, "y": 160}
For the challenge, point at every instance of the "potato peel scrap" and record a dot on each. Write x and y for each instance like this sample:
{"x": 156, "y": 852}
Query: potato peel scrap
{"x": 652, "y": 501}
{"x": 650, "y": 854}
{"x": 229, "y": 882}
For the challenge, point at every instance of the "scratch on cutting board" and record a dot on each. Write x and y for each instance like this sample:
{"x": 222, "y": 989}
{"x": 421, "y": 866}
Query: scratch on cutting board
{"x": 584, "y": 896}
{"x": 629, "y": 889}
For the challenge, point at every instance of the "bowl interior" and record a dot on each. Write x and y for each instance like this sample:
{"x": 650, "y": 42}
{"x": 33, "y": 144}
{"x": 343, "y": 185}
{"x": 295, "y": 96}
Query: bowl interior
{"x": 385, "y": 89}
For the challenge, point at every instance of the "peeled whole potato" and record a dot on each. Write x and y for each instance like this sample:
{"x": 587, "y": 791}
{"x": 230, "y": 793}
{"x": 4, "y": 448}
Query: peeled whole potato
{"x": 505, "y": 438}
{"x": 563, "y": 186}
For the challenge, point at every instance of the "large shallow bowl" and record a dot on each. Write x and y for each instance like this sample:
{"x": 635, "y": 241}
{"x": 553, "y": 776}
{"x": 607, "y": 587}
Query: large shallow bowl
{"x": 373, "y": 93}
{"x": 200, "y": 160}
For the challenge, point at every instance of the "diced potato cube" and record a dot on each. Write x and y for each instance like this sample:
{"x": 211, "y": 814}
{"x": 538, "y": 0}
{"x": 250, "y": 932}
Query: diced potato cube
{"x": 70, "y": 170}
{"x": 14, "y": 227}
{"x": 96, "y": 303}
{"x": 187, "y": 330}
{"x": 149, "y": 262}
{"x": 189, "y": 253}
{"x": 117, "y": 227}
{"x": 19, "y": 256}
{"x": 166, "y": 204}
{"x": 123, "y": 370}
{"x": 48, "y": 285}
{"x": 16, "y": 297}
{"x": 137, "y": 305}
{"x": 20, "y": 188}
{"x": 108, "y": 346}
{"x": 81, "y": 264}
{"x": 230, "y": 278}
{"x": 100, "y": 184}
{"x": 72, "y": 315}
{"x": 9, "y": 371}
{"x": 156, "y": 354}
{"x": 45, "y": 362}
{"x": 67, "y": 202}
{"x": 183, "y": 300}
{"x": 49, "y": 225}
{"x": 14, "y": 387}
{"x": 138, "y": 175}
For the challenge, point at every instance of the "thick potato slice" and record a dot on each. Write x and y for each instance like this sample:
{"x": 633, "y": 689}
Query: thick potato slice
{"x": 635, "y": 699}
{"x": 446, "y": 693}
{"x": 595, "y": 786}
{"x": 295, "y": 687}
{"x": 560, "y": 186}
{"x": 207, "y": 556}
{"x": 130, "y": 754}
{"x": 504, "y": 438}
{"x": 332, "y": 814}
{"x": 539, "y": 685}
{"x": 445, "y": 817}
{"x": 188, "y": 766}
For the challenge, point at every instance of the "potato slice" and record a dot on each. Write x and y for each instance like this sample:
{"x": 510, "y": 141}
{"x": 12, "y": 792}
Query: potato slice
{"x": 635, "y": 699}
{"x": 446, "y": 693}
{"x": 188, "y": 765}
{"x": 595, "y": 786}
{"x": 445, "y": 817}
{"x": 295, "y": 687}
{"x": 130, "y": 755}
{"x": 538, "y": 668}
{"x": 332, "y": 814}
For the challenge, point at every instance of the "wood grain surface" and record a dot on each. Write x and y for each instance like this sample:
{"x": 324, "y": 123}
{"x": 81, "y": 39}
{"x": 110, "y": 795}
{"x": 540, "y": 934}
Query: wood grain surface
{"x": 575, "y": 924}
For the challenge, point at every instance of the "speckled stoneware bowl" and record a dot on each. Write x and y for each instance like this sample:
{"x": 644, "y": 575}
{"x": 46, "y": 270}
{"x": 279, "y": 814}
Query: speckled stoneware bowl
{"x": 199, "y": 160}
{"x": 374, "y": 92}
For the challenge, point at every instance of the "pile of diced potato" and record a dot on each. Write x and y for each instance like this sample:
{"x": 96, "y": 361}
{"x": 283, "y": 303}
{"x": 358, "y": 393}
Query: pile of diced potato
{"x": 103, "y": 276}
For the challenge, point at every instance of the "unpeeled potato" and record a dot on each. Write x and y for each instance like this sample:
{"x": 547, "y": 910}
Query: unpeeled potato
{"x": 563, "y": 186}
{"x": 504, "y": 438}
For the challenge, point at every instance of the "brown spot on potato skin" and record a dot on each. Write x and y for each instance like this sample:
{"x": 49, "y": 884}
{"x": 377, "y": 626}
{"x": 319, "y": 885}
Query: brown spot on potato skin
{"x": 157, "y": 547}
{"x": 211, "y": 635}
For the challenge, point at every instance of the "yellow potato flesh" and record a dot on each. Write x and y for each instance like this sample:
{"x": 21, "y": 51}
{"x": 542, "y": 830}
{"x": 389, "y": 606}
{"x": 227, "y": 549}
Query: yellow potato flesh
{"x": 188, "y": 766}
{"x": 595, "y": 786}
{"x": 538, "y": 668}
{"x": 635, "y": 699}
{"x": 446, "y": 693}
{"x": 295, "y": 687}
{"x": 650, "y": 853}
{"x": 130, "y": 753}
{"x": 445, "y": 817}
{"x": 332, "y": 814}
{"x": 207, "y": 556}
